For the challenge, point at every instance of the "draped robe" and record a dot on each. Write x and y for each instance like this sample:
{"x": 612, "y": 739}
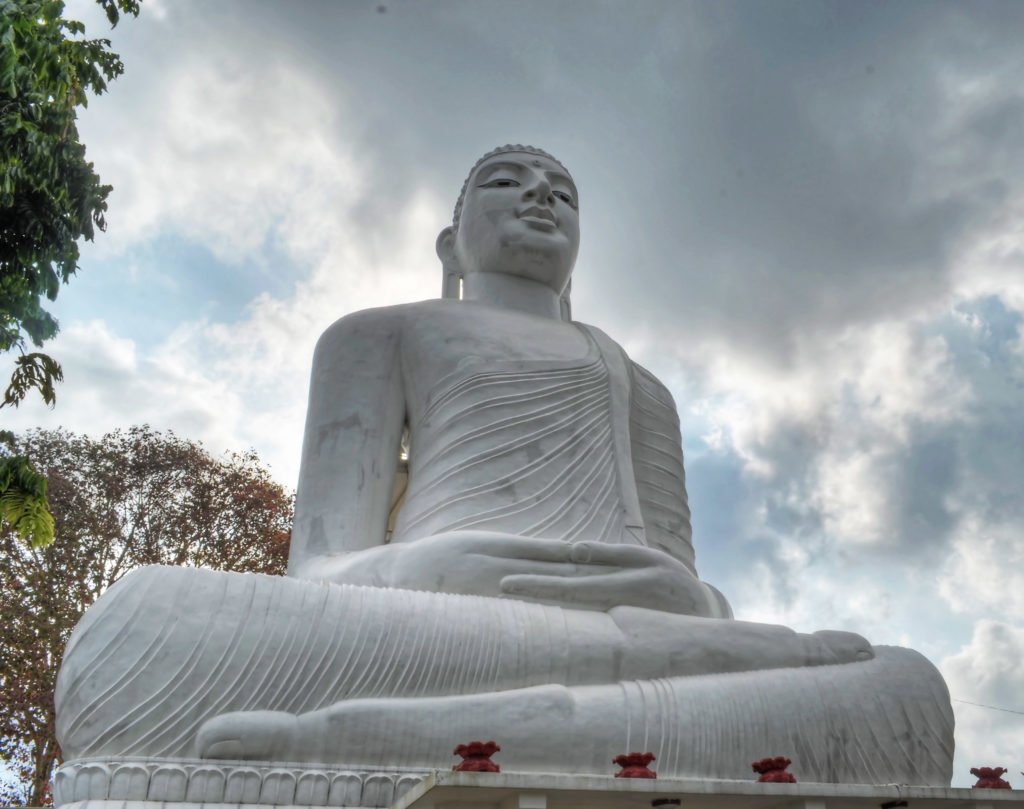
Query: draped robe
{"x": 386, "y": 679}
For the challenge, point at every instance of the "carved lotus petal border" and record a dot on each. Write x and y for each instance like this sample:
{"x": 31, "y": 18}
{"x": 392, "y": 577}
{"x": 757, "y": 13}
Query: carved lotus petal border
{"x": 230, "y": 783}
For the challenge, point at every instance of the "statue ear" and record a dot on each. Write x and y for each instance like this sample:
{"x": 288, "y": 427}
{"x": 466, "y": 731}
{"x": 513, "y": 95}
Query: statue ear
{"x": 445, "y": 246}
{"x": 451, "y": 279}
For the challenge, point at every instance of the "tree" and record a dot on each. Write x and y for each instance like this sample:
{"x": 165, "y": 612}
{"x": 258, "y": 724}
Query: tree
{"x": 50, "y": 197}
{"x": 130, "y": 498}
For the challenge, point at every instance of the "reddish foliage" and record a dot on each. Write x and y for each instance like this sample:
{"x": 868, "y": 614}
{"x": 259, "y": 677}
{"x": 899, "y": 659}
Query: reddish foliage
{"x": 131, "y": 498}
{"x": 773, "y": 770}
{"x": 476, "y": 757}
{"x": 990, "y": 778}
{"x": 634, "y": 765}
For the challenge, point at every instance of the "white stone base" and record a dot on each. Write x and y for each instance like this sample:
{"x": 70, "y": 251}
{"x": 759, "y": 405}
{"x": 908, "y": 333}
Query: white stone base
{"x": 458, "y": 790}
{"x": 148, "y": 783}
{"x": 198, "y": 785}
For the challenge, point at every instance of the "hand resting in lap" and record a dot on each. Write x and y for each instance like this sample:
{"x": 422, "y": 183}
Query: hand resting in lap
{"x": 581, "y": 575}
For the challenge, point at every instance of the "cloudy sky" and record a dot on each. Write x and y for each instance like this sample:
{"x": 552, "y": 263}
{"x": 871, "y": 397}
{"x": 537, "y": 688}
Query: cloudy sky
{"x": 804, "y": 217}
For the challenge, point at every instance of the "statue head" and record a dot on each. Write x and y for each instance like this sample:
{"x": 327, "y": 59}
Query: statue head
{"x": 517, "y": 214}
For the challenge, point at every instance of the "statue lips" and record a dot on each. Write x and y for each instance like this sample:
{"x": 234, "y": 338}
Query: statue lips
{"x": 538, "y": 217}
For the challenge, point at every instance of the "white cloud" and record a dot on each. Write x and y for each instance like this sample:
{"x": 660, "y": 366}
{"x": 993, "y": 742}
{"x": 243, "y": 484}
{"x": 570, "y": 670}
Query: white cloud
{"x": 989, "y": 670}
{"x": 840, "y": 414}
{"x": 228, "y": 155}
{"x": 262, "y": 361}
{"x": 852, "y": 495}
{"x": 237, "y": 162}
{"x": 994, "y": 264}
{"x": 108, "y": 385}
{"x": 985, "y": 573}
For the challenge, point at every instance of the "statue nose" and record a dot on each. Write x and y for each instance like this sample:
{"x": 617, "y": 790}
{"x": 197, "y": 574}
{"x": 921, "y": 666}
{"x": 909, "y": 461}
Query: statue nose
{"x": 540, "y": 190}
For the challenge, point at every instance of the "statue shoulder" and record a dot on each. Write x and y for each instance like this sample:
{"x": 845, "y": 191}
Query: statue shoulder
{"x": 375, "y": 327}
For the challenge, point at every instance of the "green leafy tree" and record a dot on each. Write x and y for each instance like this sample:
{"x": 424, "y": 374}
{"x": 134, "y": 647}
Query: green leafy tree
{"x": 50, "y": 197}
{"x": 131, "y": 498}
{"x": 23, "y": 503}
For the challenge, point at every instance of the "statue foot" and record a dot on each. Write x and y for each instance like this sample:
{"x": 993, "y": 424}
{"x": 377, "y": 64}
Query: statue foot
{"x": 423, "y": 729}
{"x": 829, "y": 646}
{"x": 263, "y": 735}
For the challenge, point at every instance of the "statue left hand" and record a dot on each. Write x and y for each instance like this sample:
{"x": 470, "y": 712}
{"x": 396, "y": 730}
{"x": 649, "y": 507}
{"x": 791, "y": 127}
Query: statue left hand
{"x": 581, "y": 575}
{"x": 619, "y": 575}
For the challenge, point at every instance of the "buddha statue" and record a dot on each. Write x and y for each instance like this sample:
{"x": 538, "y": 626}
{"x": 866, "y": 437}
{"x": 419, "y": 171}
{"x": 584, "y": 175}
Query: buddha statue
{"x": 492, "y": 540}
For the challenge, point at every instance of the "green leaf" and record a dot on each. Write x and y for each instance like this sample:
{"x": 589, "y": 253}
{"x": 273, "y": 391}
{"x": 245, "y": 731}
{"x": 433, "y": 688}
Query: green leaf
{"x": 50, "y": 196}
{"x": 23, "y": 504}
{"x": 37, "y": 370}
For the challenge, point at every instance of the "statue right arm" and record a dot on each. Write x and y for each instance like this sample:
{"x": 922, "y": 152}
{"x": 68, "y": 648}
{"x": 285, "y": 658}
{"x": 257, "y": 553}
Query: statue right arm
{"x": 351, "y": 445}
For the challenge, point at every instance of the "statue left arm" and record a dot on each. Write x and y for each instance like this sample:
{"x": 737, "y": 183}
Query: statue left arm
{"x": 657, "y": 456}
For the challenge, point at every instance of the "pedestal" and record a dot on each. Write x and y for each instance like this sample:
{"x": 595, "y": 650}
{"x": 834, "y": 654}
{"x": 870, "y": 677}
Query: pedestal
{"x": 448, "y": 790}
{"x": 198, "y": 785}
{"x": 126, "y": 783}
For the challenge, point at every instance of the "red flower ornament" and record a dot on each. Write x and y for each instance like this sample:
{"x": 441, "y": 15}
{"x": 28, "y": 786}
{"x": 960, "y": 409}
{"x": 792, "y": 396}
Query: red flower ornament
{"x": 990, "y": 778}
{"x": 476, "y": 757}
{"x": 634, "y": 765}
{"x": 773, "y": 770}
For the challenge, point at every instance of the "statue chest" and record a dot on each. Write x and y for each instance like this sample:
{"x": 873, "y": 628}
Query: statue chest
{"x": 441, "y": 351}
{"x": 506, "y": 440}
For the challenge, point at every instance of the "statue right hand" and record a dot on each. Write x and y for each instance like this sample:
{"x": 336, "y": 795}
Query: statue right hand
{"x": 465, "y": 562}
{"x": 584, "y": 575}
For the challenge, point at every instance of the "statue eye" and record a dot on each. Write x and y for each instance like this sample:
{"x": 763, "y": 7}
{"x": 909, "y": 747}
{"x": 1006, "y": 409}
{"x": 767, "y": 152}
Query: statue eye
{"x": 566, "y": 198}
{"x": 501, "y": 182}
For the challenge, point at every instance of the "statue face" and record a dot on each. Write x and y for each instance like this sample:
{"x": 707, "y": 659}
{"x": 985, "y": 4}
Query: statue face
{"x": 520, "y": 217}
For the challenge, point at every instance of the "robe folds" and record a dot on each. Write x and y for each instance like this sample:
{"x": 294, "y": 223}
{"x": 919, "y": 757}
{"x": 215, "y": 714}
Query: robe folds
{"x": 385, "y": 678}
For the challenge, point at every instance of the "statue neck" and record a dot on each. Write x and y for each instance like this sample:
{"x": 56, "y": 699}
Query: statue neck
{"x": 512, "y": 292}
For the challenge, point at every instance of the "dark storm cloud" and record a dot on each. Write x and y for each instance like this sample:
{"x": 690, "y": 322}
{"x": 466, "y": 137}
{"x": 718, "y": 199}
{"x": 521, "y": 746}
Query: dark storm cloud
{"x": 770, "y": 172}
{"x": 760, "y": 175}
{"x": 822, "y": 175}
{"x": 766, "y": 171}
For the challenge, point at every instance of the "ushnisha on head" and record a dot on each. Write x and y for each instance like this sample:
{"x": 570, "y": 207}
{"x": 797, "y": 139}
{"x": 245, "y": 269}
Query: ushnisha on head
{"x": 517, "y": 215}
